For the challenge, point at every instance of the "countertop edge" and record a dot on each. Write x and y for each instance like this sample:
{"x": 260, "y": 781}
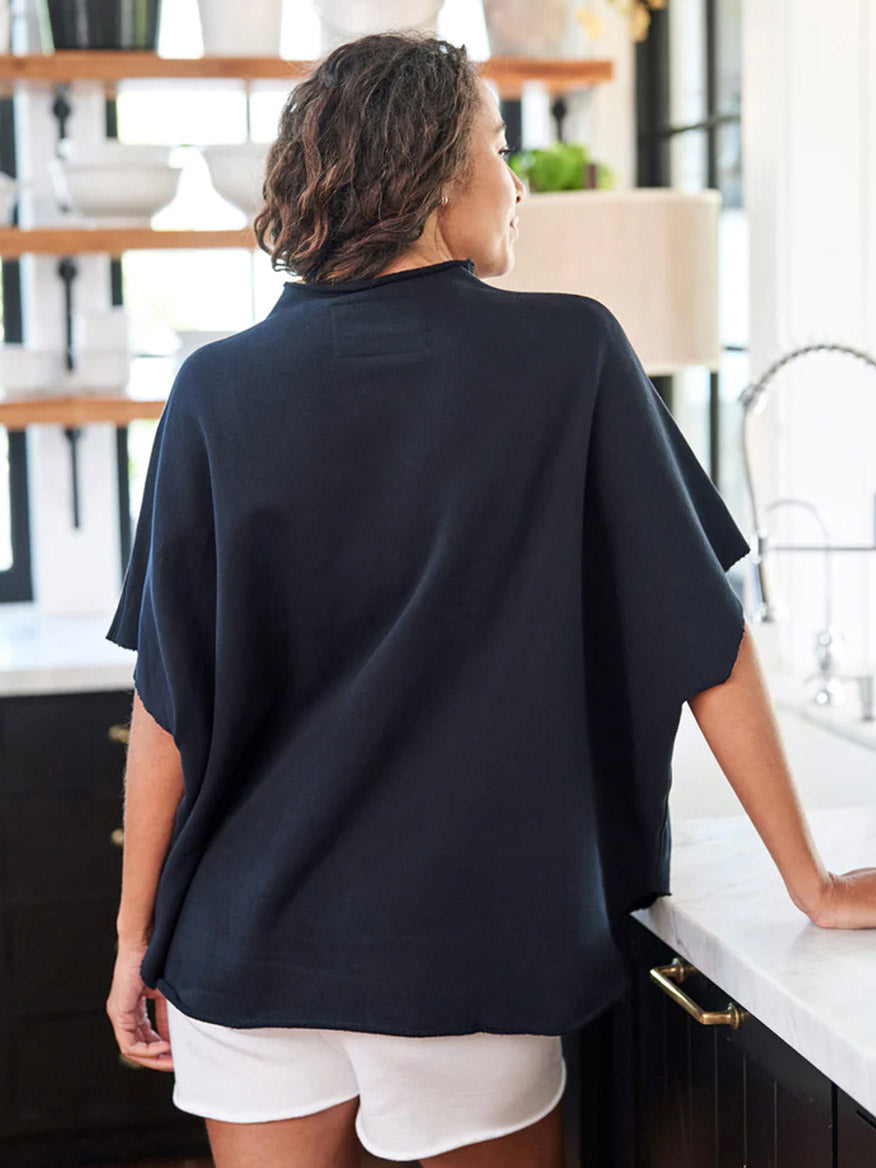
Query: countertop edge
{"x": 828, "y": 1048}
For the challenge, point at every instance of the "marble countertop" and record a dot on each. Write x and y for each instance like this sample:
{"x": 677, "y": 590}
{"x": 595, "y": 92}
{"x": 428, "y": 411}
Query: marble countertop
{"x": 59, "y": 654}
{"x": 730, "y": 915}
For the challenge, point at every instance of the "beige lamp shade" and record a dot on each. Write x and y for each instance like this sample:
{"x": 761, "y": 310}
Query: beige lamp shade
{"x": 650, "y": 254}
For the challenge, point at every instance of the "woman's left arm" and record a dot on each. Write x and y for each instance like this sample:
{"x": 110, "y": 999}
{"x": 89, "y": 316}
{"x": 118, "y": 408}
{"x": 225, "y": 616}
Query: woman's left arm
{"x": 153, "y": 790}
{"x": 738, "y": 721}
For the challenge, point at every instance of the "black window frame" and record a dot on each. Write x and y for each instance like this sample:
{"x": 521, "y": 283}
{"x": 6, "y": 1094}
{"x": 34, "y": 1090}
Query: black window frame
{"x": 123, "y": 483}
{"x": 16, "y": 582}
{"x": 654, "y": 133}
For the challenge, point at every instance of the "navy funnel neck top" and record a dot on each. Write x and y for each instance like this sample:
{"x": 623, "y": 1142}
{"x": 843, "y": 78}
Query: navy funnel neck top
{"x": 423, "y": 575}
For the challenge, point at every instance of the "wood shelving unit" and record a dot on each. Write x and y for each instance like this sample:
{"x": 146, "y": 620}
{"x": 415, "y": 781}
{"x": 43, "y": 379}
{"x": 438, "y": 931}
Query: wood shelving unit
{"x": 508, "y": 73}
{"x": 76, "y": 410}
{"x": 16, "y": 241}
{"x": 559, "y": 76}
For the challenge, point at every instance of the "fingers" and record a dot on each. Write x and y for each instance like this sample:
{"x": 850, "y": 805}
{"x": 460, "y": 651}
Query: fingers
{"x": 136, "y": 1038}
{"x": 154, "y": 1055}
{"x": 153, "y": 1052}
{"x": 143, "y": 1046}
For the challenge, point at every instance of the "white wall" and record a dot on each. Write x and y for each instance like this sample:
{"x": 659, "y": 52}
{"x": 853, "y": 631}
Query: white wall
{"x": 809, "y": 125}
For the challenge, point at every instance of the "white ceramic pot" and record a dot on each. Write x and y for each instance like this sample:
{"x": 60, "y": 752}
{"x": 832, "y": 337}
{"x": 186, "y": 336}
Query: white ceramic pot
{"x": 25, "y": 371}
{"x": 193, "y": 339}
{"x": 241, "y": 29}
{"x": 347, "y": 20}
{"x": 5, "y": 26}
{"x": 237, "y": 173}
{"x": 99, "y": 371}
{"x": 8, "y": 195}
{"x": 529, "y": 28}
{"x": 101, "y": 329}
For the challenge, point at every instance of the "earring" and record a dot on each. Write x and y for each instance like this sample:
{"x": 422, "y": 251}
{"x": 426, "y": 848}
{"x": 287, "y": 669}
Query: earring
{"x": 444, "y": 200}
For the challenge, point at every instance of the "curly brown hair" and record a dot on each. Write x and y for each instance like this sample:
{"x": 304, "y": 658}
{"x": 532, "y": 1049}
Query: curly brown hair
{"x": 365, "y": 145}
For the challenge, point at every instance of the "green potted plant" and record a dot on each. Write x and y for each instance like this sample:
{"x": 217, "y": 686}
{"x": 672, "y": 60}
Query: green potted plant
{"x": 562, "y": 166}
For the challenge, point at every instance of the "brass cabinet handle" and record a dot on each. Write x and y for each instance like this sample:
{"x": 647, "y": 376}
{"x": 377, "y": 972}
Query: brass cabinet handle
{"x": 119, "y": 733}
{"x": 670, "y": 977}
{"x": 117, "y": 836}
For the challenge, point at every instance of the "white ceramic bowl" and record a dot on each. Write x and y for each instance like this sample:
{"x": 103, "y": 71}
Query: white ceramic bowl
{"x": 130, "y": 196}
{"x": 237, "y": 173}
{"x": 109, "y": 152}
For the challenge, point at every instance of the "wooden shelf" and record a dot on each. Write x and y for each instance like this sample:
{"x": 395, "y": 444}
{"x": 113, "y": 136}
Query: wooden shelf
{"x": 76, "y": 410}
{"x": 17, "y": 241}
{"x": 115, "y": 65}
{"x": 561, "y": 75}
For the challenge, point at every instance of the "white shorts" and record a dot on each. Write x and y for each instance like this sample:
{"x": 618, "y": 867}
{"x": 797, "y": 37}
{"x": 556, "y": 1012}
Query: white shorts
{"x": 418, "y": 1096}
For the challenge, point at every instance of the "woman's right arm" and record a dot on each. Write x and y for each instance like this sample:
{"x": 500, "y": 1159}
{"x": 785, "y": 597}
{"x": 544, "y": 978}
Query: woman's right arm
{"x": 739, "y": 724}
{"x": 154, "y": 787}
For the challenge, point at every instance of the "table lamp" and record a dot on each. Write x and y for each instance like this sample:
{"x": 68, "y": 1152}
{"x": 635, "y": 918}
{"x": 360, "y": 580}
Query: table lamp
{"x": 650, "y": 254}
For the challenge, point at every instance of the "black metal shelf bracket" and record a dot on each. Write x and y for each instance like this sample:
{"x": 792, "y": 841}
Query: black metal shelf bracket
{"x": 62, "y": 108}
{"x": 73, "y": 434}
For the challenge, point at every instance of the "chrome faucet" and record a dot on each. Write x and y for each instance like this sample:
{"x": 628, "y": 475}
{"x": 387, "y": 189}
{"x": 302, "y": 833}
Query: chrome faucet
{"x": 752, "y": 399}
{"x": 830, "y": 690}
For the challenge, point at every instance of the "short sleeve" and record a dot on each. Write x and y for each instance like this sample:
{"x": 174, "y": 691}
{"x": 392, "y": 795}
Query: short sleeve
{"x": 167, "y": 606}
{"x": 661, "y": 620}
{"x": 659, "y": 533}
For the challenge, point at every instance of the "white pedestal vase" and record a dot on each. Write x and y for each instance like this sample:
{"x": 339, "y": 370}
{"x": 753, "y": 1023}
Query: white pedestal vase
{"x": 241, "y": 30}
{"x": 535, "y": 28}
{"x": 347, "y": 20}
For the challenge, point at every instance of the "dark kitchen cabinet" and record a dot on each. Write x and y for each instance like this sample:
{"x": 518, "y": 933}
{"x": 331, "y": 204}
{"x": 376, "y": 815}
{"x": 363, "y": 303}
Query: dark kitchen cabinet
{"x": 66, "y": 1094}
{"x": 683, "y": 1094}
{"x": 856, "y": 1133}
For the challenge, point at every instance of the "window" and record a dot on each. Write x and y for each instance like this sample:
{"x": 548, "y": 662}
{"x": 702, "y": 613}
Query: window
{"x": 689, "y": 137}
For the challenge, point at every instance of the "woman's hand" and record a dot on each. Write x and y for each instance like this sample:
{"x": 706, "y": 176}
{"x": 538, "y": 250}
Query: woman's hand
{"x": 154, "y": 786}
{"x": 127, "y": 1010}
{"x": 847, "y": 901}
{"x": 740, "y": 725}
